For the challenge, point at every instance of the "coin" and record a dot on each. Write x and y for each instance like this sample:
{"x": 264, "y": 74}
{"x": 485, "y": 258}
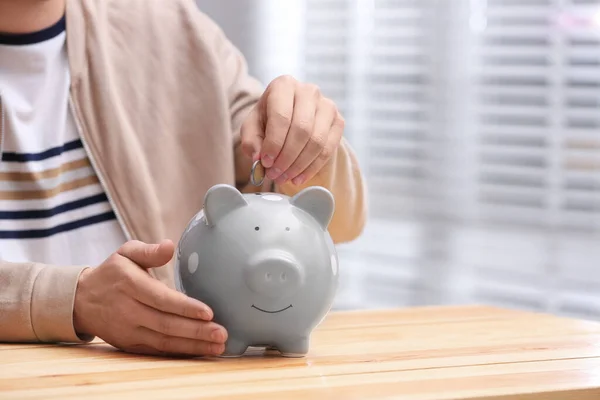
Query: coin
{"x": 257, "y": 174}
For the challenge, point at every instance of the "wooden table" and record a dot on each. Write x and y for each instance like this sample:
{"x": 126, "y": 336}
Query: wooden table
{"x": 417, "y": 353}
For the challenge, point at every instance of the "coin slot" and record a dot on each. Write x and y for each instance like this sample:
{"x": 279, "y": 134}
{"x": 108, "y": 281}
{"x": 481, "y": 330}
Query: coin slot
{"x": 272, "y": 197}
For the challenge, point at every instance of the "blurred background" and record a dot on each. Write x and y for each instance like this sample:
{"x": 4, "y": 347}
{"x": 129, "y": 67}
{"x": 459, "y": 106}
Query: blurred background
{"x": 477, "y": 124}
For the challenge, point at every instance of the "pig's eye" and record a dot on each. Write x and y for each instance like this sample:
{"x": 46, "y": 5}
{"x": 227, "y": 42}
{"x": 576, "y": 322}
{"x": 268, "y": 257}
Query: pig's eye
{"x": 256, "y": 228}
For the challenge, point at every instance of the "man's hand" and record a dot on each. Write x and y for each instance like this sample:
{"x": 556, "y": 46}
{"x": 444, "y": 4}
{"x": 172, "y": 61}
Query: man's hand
{"x": 294, "y": 130}
{"x": 122, "y": 304}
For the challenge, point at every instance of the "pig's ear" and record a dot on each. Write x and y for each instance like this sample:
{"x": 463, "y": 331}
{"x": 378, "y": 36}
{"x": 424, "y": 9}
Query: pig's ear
{"x": 318, "y": 202}
{"x": 220, "y": 200}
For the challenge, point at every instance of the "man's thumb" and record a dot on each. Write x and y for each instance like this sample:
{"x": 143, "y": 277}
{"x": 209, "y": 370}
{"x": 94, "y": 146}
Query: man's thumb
{"x": 148, "y": 255}
{"x": 252, "y": 135}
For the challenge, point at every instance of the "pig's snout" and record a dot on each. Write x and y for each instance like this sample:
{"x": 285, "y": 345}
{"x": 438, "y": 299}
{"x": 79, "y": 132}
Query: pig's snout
{"x": 274, "y": 274}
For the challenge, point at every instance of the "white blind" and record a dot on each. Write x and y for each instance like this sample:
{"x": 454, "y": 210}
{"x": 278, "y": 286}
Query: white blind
{"x": 477, "y": 126}
{"x": 377, "y": 60}
{"x": 535, "y": 125}
{"x": 328, "y": 49}
{"x": 537, "y": 118}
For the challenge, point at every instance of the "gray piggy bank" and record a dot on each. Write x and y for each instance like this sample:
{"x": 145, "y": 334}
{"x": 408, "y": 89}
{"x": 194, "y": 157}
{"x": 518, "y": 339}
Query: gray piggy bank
{"x": 264, "y": 262}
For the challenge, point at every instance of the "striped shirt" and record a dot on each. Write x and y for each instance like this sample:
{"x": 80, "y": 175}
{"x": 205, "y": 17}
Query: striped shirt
{"x": 52, "y": 206}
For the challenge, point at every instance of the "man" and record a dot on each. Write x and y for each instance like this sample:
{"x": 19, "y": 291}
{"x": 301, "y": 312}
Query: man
{"x": 117, "y": 117}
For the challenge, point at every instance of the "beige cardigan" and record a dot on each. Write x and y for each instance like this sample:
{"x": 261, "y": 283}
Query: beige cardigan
{"x": 159, "y": 94}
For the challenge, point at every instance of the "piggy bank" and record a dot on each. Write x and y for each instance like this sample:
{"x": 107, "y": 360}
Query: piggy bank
{"x": 265, "y": 264}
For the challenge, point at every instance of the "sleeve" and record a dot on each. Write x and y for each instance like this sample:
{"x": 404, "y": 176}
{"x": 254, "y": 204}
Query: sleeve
{"x": 36, "y": 303}
{"x": 341, "y": 175}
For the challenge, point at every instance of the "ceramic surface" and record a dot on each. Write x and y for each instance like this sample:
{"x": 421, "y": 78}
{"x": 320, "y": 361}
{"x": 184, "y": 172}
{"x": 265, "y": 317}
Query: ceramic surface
{"x": 264, "y": 262}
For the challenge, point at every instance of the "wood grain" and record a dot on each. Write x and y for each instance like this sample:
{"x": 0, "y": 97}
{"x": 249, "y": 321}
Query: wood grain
{"x": 412, "y": 354}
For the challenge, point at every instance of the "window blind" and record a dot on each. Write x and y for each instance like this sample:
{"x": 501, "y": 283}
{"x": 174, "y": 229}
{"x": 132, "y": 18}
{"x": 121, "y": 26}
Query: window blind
{"x": 535, "y": 121}
{"x": 537, "y": 116}
{"x": 376, "y": 59}
{"x": 476, "y": 123}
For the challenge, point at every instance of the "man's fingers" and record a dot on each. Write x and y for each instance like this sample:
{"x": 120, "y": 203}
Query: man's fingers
{"x": 159, "y": 296}
{"x": 301, "y": 129}
{"x": 174, "y": 325}
{"x": 166, "y": 344}
{"x": 148, "y": 255}
{"x": 318, "y": 140}
{"x": 333, "y": 140}
{"x": 296, "y": 129}
{"x": 151, "y": 292}
{"x": 279, "y": 112}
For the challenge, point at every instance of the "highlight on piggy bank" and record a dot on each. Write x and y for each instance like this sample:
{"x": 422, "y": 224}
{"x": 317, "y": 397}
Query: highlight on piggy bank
{"x": 264, "y": 262}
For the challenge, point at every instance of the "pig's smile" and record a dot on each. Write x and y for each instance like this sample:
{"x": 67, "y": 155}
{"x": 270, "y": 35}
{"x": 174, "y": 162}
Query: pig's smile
{"x": 271, "y": 312}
